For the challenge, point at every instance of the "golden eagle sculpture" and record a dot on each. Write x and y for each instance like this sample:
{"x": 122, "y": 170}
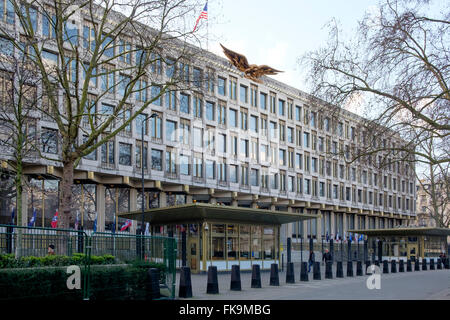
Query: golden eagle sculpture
{"x": 251, "y": 71}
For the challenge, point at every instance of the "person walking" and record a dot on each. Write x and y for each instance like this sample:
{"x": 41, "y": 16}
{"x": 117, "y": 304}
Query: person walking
{"x": 310, "y": 260}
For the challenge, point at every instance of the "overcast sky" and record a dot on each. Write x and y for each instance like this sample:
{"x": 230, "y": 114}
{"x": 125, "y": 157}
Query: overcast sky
{"x": 277, "y": 33}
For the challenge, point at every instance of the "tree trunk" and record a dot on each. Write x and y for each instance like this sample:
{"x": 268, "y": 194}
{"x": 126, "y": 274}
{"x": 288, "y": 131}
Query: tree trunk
{"x": 65, "y": 218}
{"x": 19, "y": 207}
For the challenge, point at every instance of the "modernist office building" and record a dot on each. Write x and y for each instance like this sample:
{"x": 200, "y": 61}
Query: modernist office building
{"x": 237, "y": 143}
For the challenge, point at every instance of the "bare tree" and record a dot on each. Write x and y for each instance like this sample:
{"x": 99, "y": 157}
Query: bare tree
{"x": 397, "y": 67}
{"x": 119, "y": 46}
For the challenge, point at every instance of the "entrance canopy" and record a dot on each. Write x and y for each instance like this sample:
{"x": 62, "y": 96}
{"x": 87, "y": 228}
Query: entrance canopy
{"x": 419, "y": 231}
{"x": 200, "y": 212}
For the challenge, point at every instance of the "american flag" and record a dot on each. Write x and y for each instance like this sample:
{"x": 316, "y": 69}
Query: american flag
{"x": 54, "y": 222}
{"x": 203, "y": 15}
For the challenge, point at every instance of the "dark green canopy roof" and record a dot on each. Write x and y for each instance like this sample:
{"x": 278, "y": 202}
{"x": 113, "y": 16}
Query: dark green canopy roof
{"x": 200, "y": 212}
{"x": 405, "y": 231}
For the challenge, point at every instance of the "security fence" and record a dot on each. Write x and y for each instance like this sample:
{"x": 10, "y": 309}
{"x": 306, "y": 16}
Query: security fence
{"x": 125, "y": 261}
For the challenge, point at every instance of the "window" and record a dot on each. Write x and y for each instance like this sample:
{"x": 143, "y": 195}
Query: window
{"x": 273, "y": 99}
{"x": 244, "y": 175}
{"x": 307, "y": 186}
{"x": 298, "y": 161}
{"x": 233, "y": 173}
{"x": 123, "y": 83}
{"x": 254, "y": 177}
{"x": 298, "y": 113}
{"x": 156, "y": 95}
{"x": 156, "y": 159}
{"x": 49, "y": 140}
{"x": 197, "y": 106}
{"x": 264, "y": 153}
{"x": 93, "y": 154}
{"x": 222, "y": 170}
{"x": 125, "y": 51}
{"x": 108, "y": 153}
{"x": 274, "y": 181}
{"x": 171, "y": 161}
{"x": 313, "y": 119}
{"x": 221, "y": 86}
{"x": 88, "y": 35}
{"x": 290, "y": 110}
{"x": 222, "y": 143}
{"x": 281, "y": 107}
{"x": 184, "y": 71}
{"x": 198, "y": 137}
{"x": 244, "y": 119}
{"x": 273, "y": 130}
{"x": 184, "y": 103}
{"x": 290, "y": 135}
{"x": 108, "y": 46}
{"x": 233, "y": 88}
{"x": 322, "y": 189}
{"x": 125, "y": 154}
{"x": 233, "y": 118}
{"x": 282, "y": 129}
{"x": 263, "y": 100}
{"x": 244, "y": 151}
{"x": 243, "y": 94}
{"x": 282, "y": 157}
{"x": 254, "y": 123}
{"x": 254, "y": 96}
{"x": 184, "y": 164}
{"x": 221, "y": 113}
{"x": 156, "y": 126}
{"x": 185, "y": 130}
{"x": 138, "y": 154}
{"x": 306, "y": 139}
{"x": 209, "y": 110}
{"x": 197, "y": 168}
{"x": 197, "y": 75}
{"x": 210, "y": 169}
{"x": 171, "y": 127}
{"x": 156, "y": 65}
{"x": 171, "y": 100}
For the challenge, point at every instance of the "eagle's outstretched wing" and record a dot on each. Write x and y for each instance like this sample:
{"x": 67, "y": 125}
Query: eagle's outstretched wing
{"x": 258, "y": 71}
{"x": 237, "y": 59}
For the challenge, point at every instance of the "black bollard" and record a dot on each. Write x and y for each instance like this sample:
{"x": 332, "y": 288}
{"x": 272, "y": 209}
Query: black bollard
{"x": 329, "y": 270}
{"x": 408, "y": 266}
{"x": 339, "y": 270}
{"x": 393, "y": 266}
{"x": 377, "y": 263}
{"x": 153, "y": 288}
{"x": 290, "y": 276}
{"x": 213, "y": 283}
{"x": 304, "y": 272}
{"x": 424, "y": 264}
{"x": 446, "y": 263}
{"x": 235, "y": 284}
{"x": 417, "y": 265}
{"x": 185, "y": 290}
{"x": 385, "y": 266}
{"x": 401, "y": 266}
{"x": 439, "y": 264}
{"x": 274, "y": 279}
{"x": 316, "y": 271}
{"x": 349, "y": 269}
{"x": 432, "y": 264}
{"x": 359, "y": 271}
{"x": 256, "y": 276}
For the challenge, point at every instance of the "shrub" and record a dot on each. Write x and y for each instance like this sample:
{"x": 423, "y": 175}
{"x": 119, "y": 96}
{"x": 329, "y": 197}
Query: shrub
{"x": 9, "y": 261}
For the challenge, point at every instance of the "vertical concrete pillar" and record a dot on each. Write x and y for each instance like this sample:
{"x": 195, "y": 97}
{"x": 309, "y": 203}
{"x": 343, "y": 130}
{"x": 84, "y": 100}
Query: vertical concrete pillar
{"x": 213, "y": 200}
{"x": 188, "y": 198}
{"x": 344, "y": 226}
{"x": 133, "y": 207}
{"x": 100, "y": 208}
{"x": 332, "y": 218}
{"x": 162, "y": 199}
{"x": 319, "y": 226}
{"x": 290, "y": 226}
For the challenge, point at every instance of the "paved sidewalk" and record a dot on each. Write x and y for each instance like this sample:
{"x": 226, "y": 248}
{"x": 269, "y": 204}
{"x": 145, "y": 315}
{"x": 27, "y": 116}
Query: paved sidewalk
{"x": 421, "y": 285}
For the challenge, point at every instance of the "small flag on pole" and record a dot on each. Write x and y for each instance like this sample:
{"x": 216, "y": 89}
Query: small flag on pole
{"x": 33, "y": 218}
{"x": 54, "y": 222}
{"x": 203, "y": 15}
{"x": 126, "y": 225}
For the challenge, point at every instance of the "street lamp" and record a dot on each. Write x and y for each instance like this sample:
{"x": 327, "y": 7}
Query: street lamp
{"x": 153, "y": 115}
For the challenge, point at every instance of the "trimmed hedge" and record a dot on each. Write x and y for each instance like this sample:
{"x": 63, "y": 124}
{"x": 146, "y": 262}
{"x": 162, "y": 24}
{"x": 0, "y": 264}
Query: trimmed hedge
{"x": 9, "y": 260}
{"x": 107, "y": 282}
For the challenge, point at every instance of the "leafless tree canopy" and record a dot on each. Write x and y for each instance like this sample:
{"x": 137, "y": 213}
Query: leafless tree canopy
{"x": 397, "y": 68}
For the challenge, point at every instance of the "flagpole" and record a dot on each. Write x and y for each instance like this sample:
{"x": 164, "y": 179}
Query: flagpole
{"x": 207, "y": 30}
